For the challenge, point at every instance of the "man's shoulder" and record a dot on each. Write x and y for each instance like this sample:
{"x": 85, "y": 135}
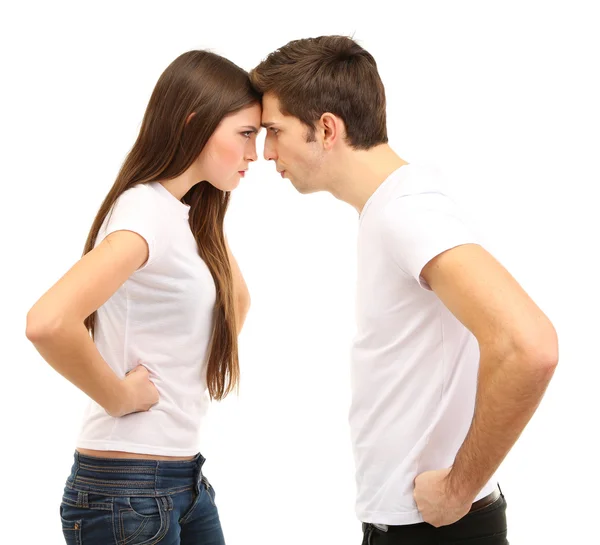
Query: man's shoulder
{"x": 420, "y": 178}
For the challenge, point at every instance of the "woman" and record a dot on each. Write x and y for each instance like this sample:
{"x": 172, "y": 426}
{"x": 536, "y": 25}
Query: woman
{"x": 164, "y": 300}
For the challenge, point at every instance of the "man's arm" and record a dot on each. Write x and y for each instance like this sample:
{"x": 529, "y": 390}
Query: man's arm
{"x": 519, "y": 353}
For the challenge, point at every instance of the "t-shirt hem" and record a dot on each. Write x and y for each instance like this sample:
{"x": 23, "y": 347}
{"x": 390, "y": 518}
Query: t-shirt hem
{"x": 137, "y": 449}
{"x": 391, "y": 518}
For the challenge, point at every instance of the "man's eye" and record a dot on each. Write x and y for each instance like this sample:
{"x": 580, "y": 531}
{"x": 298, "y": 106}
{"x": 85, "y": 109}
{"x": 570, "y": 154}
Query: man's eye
{"x": 274, "y": 130}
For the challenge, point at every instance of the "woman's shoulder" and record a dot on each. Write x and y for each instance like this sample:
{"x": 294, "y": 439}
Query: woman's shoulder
{"x": 137, "y": 197}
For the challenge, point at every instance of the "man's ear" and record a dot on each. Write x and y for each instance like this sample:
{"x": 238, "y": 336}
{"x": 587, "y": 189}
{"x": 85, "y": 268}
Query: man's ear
{"x": 332, "y": 127}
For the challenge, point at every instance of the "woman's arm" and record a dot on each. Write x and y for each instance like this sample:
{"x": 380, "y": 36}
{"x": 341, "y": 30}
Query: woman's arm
{"x": 240, "y": 290}
{"x": 55, "y": 325}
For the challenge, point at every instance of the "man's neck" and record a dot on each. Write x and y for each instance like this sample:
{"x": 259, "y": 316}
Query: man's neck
{"x": 362, "y": 172}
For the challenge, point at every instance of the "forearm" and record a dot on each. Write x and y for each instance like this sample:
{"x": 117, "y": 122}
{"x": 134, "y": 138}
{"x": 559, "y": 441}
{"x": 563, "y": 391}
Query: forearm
{"x": 509, "y": 390}
{"x": 71, "y": 352}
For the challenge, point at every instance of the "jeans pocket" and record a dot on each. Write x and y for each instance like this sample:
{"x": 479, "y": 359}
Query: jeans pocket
{"x": 71, "y": 530}
{"x": 141, "y": 520}
{"x": 483, "y": 526}
{"x": 202, "y": 490}
{"x": 373, "y": 535}
{"x": 209, "y": 490}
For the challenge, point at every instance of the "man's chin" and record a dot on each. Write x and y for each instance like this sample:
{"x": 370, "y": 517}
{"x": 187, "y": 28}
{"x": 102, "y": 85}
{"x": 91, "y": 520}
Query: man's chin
{"x": 304, "y": 189}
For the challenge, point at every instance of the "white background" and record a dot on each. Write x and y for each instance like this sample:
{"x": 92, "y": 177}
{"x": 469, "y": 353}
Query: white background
{"x": 504, "y": 97}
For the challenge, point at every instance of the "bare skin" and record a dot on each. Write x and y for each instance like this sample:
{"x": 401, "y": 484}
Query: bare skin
{"x": 130, "y": 455}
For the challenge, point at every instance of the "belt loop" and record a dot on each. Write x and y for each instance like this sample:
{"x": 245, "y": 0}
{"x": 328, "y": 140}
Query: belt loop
{"x": 156, "y": 475}
{"x": 197, "y": 477}
{"x": 199, "y": 474}
{"x": 76, "y": 465}
{"x": 82, "y": 499}
{"x": 167, "y": 503}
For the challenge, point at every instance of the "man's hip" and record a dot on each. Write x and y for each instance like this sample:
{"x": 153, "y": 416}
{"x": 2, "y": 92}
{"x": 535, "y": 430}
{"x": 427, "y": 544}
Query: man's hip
{"x": 486, "y": 522}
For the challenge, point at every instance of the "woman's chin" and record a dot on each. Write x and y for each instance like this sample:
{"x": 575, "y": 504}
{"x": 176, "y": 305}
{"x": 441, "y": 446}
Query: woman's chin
{"x": 233, "y": 184}
{"x": 229, "y": 185}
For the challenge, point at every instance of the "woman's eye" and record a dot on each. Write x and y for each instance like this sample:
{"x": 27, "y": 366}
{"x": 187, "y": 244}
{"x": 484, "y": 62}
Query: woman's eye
{"x": 248, "y": 134}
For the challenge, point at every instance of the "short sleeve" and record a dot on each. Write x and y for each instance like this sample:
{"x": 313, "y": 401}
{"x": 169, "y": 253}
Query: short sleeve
{"x": 419, "y": 227}
{"x": 135, "y": 210}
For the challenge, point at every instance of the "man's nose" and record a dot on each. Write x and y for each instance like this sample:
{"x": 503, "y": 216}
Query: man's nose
{"x": 269, "y": 152}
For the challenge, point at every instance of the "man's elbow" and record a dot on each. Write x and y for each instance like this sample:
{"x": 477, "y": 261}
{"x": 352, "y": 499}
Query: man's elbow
{"x": 540, "y": 348}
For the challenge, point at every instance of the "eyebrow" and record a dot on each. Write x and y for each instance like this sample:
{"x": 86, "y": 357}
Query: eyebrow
{"x": 250, "y": 128}
{"x": 267, "y": 125}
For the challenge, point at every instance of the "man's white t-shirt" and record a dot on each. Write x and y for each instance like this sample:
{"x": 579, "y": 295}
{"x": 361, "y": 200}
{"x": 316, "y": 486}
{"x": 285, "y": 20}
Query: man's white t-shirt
{"x": 162, "y": 316}
{"x": 414, "y": 365}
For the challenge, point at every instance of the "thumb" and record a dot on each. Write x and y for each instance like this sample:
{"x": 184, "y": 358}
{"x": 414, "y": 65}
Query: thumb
{"x": 136, "y": 368}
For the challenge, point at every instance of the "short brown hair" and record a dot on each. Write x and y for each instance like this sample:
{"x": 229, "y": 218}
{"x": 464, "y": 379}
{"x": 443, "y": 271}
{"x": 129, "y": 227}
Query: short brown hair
{"x": 327, "y": 74}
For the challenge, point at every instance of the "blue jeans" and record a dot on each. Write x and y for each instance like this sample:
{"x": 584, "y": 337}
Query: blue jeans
{"x": 109, "y": 501}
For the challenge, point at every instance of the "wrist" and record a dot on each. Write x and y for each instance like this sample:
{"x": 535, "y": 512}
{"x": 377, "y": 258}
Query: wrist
{"x": 117, "y": 398}
{"x": 459, "y": 488}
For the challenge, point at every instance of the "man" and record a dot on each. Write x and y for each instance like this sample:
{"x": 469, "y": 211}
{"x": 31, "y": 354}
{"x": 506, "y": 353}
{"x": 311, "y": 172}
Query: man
{"x": 451, "y": 356}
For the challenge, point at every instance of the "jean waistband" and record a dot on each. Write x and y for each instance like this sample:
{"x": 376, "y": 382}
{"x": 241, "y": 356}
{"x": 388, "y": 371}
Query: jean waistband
{"x": 116, "y": 476}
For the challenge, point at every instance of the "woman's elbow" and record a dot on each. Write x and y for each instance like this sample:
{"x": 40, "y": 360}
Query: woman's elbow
{"x": 40, "y": 326}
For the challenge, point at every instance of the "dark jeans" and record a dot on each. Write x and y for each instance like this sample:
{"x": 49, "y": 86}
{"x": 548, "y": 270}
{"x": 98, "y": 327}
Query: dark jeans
{"x": 139, "y": 502}
{"x": 486, "y": 526}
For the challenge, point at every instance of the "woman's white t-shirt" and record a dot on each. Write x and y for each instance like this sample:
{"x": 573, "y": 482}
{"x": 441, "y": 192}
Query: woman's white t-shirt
{"x": 162, "y": 316}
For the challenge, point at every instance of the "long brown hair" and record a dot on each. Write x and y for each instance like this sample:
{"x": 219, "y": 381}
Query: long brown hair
{"x": 211, "y": 87}
{"x": 333, "y": 74}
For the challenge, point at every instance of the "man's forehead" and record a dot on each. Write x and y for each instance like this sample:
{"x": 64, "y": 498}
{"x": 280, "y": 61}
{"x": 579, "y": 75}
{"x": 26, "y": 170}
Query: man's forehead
{"x": 270, "y": 99}
{"x": 270, "y": 105}
{"x": 271, "y": 118}
{"x": 271, "y": 114}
